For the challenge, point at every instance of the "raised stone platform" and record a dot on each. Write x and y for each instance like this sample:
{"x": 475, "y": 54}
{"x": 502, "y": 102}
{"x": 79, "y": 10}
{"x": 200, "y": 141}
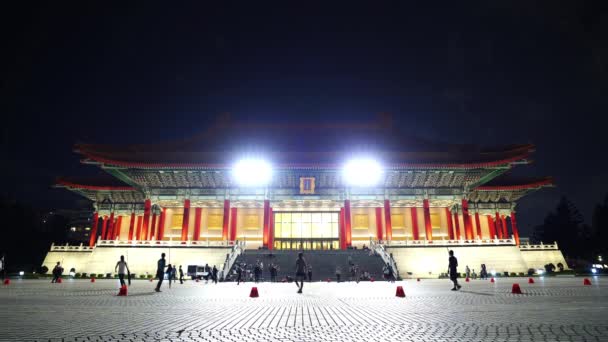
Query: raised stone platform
{"x": 552, "y": 309}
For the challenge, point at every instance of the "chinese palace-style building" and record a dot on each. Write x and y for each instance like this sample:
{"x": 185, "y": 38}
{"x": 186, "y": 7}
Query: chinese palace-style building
{"x": 303, "y": 187}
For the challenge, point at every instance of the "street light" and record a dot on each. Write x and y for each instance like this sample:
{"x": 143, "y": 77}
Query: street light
{"x": 362, "y": 172}
{"x": 252, "y": 172}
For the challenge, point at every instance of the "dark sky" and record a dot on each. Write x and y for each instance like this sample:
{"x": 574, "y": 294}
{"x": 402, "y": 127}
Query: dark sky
{"x": 487, "y": 72}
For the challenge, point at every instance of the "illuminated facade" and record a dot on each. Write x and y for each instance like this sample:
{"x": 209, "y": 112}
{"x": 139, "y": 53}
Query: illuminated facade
{"x": 320, "y": 187}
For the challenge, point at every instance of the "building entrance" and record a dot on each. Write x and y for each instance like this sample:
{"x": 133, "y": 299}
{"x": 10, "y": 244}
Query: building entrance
{"x": 306, "y": 230}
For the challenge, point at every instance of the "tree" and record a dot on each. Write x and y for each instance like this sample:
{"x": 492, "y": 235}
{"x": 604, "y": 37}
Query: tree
{"x": 565, "y": 225}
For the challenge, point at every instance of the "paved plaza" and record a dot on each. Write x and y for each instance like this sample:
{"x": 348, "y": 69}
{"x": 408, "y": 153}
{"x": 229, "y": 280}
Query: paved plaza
{"x": 552, "y": 309}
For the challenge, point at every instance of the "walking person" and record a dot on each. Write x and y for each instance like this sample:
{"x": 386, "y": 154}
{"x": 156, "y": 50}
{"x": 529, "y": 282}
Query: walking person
{"x": 181, "y": 275}
{"x": 338, "y": 273}
{"x": 309, "y": 273}
{"x": 123, "y": 269}
{"x": 169, "y": 274}
{"x": 256, "y": 271}
{"x": 273, "y": 272}
{"x": 57, "y": 271}
{"x": 467, "y": 271}
{"x": 160, "y": 271}
{"x": 453, "y": 271}
{"x": 214, "y": 274}
{"x": 239, "y": 274}
{"x": 483, "y": 274}
{"x": 300, "y": 271}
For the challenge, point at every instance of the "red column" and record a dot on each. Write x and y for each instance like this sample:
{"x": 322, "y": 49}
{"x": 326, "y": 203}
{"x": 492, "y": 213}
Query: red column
{"x": 138, "y": 231}
{"x": 271, "y": 231}
{"x": 466, "y": 219}
{"x": 491, "y": 227}
{"x": 153, "y": 227}
{"x": 117, "y": 228}
{"x": 110, "y": 231}
{"x": 266, "y": 221}
{"x": 427, "y": 219}
{"x": 131, "y": 226}
{"x": 95, "y": 223}
{"x": 478, "y": 224}
{"x": 226, "y": 219}
{"x": 186, "y": 220}
{"x": 198, "y": 212}
{"x": 342, "y": 230}
{"x": 505, "y": 229}
{"x": 147, "y": 207}
{"x": 514, "y": 228}
{"x": 347, "y": 223}
{"x": 498, "y": 226}
{"x": 448, "y": 215}
{"x": 161, "y": 225}
{"x": 387, "y": 220}
{"x": 415, "y": 232}
{"x": 379, "y": 223}
{"x": 457, "y": 225}
{"x": 233, "y": 214}
{"x": 104, "y": 227}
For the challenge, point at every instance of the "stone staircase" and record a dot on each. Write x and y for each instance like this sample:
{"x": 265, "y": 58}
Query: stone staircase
{"x": 324, "y": 263}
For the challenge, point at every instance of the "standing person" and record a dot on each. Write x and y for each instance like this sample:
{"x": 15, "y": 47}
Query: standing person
{"x": 300, "y": 271}
{"x": 256, "y": 271}
{"x": 123, "y": 269}
{"x": 338, "y": 273}
{"x": 160, "y": 271}
{"x": 467, "y": 271}
{"x": 309, "y": 273}
{"x": 57, "y": 270}
{"x": 453, "y": 271}
{"x": 174, "y": 274}
{"x": 273, "y": 272}
{"x": 181, "y": 275}
{"x": 2, "y": 267}
{"x": 214, "y": 274}
{"x": 239, "y": 274}
{"x": 483, "y": 274}
{"x": 169, "y": 274}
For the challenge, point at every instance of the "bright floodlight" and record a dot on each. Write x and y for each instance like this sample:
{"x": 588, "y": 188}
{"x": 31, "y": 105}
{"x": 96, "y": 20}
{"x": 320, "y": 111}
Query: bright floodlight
{"x": 362, "y": 172}
{"x": 252, "y": 172}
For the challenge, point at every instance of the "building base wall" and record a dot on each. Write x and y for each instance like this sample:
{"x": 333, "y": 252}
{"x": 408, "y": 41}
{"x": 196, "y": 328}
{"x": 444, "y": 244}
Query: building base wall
{"x": 539, "y": 258}
{"x": 430, "y": 262}
{"x": 141, "y": 260}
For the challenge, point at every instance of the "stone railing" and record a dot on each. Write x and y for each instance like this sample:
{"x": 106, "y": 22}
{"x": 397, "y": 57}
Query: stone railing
{"x": 237, "y": 249}
{"x": 475, "y": 242}
{"x": 68, "y": 248}
{"x": 528, "y": 247}
{"x": 379, "y": 249}
{"x": 154, "y": 243}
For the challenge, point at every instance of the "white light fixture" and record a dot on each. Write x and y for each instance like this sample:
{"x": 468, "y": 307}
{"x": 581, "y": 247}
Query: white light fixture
{"x": 252, "y": 172}
{"x": 21, "y": 273}
{"x": 362, "y": 172}
{"x": 594, "y": 270}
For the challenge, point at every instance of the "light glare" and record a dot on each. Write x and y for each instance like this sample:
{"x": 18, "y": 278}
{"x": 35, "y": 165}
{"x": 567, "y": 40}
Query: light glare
{"x": 252, "y": 172}
{"x": 362, "y": 172}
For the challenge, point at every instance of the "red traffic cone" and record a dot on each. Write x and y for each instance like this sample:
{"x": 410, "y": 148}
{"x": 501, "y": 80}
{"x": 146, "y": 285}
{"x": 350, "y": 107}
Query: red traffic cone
{"x": 59, "y": 280}
{"x": 329, "y": 280}
{"x": 515, "y": 289}
{"x": 254, "y": 292}
{"x": 418, "y": 279}
{"x": 467, "y": 279}
{"x": 586, "y": 281}
{"x": 123, "y": 290}
{"x": 7, "y": 281}
{"x": 491, "y": 280}
{"x": 372, "y": 279}
{"x": 92, "y": 279}
{"x": 530, "y": 281}
{"x": 400, "y": 292}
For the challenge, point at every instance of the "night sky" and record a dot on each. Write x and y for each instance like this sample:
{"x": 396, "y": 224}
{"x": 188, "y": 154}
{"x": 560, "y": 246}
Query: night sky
{"x": 481, "y": 73}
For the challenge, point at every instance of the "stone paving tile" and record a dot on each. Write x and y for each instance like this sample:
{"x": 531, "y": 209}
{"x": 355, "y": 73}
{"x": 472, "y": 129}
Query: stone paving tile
{"x": 553, "y": 309}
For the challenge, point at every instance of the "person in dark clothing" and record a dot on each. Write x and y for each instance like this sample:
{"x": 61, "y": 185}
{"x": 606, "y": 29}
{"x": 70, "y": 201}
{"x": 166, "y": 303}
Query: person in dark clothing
{"x": 206, "y": 273}
{"x": 160, "y": 271}
{"x": 273, "y": 272}
{"x": 239, "y": 274}
{"x": 256, "y": 271}
{"x": 483, "y": 274}
{"x": 170, "y": 274}
{"x": 300, "y": 271}
{"x": 309, "y": 273}
{"x": 181, "y": 275}
{"x": 338, "y": 273}
{"x": 453, "y": 271}
{"x": 57, "y": 271}
{"x": 214, "y": 274}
